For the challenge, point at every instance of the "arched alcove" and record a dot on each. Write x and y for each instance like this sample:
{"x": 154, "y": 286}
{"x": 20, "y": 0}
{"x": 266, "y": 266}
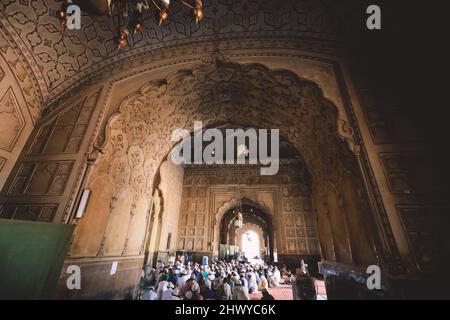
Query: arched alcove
{"x": 259, "y": 232}
{"x": 253, "y": 214}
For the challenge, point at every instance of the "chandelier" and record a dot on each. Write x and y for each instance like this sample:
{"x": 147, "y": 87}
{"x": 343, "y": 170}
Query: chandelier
{"x": 128, "y": 15}
{"x": 239, "y": 219}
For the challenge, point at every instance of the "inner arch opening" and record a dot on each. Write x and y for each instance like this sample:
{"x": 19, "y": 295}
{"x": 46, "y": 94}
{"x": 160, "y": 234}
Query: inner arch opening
{"x": 250, "y": 245}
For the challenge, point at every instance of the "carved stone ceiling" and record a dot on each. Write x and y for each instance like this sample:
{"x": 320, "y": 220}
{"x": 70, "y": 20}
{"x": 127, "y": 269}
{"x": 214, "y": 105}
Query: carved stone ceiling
{"x": 59, "y": 60}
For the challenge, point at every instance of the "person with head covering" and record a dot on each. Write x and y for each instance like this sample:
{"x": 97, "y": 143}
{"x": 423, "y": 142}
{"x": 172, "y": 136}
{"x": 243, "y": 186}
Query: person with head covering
{"x": 284, "y": 270}
{"x": 227, "y": 291}
{"x": 195, "y": 289}
{"x": 231, "y": 282}
{"x": 218, "y": 280}
{"x": 263, "y": 284}
{"x": 290, "y": 279}
{"x": 150, "y": 294}
{"x": 276, "y": 277}
{"x": 162, "y": 285}
{"x": 266, "y": 295}
{"x": 178, "y": 263}
{"x": 168, "y": 294}
{"x": 201, "y": 282}
{"x": 251, "y": 278}
{"x": 234, "y": 277}
{"x": 267, "y": 275}
{"x": 197, "y": 273}
{"x": 173, "y": 276}
{"x": 191, "y": 281}
{"x": 304, "y": 287}
{"x": 209, "y": 289}
{"x": 240, "y": 292}
{"x": 181, "y": 282}
{"x": 177, "y": 293}
{"x": 188, "y": 295}
{"x": 257, "y": 274}
{"x": 243, "y": 280}
{"x": 149, "y": 276}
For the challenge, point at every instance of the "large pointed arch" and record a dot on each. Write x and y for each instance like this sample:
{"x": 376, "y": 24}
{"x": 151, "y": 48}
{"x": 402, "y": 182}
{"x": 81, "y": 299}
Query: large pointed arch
{"x": 247, "y": 95}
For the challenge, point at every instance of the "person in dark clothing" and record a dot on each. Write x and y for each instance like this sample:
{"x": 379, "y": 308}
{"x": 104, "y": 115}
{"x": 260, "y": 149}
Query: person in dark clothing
{"x": 304, "y": 287}
{"x": 266, "y": 295}
{"x": 173, "y": 276}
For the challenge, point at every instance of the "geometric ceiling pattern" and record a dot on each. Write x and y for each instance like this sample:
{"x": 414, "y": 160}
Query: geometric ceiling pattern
{"x": 59, "y": 60}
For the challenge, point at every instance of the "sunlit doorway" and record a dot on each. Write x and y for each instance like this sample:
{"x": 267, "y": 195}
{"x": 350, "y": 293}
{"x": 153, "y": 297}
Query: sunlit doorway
{"x": 250, "y": 244}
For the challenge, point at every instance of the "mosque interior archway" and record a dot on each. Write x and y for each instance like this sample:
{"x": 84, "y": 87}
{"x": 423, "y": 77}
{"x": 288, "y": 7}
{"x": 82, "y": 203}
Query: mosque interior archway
{"x": 80, "y": 118}
{"x": 130, "y": 166}
{"x": 254, "y": 219}
{"x": 130, "y": 139}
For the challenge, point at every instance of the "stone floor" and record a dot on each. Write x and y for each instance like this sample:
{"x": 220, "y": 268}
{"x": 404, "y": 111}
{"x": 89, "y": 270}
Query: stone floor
{"x": 284, "y": 292}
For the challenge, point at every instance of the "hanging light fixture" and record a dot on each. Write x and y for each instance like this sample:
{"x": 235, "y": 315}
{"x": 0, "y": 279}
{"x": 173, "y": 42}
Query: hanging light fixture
{"x": 128, "y": 15}
{"x": 164, "y": 11}
{"x": 239, "y": 219}
{"x": 198, "y": 11}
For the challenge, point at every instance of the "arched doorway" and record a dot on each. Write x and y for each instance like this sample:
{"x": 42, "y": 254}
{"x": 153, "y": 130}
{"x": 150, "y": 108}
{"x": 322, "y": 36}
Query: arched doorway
{"x": 254, "y": 220}
{"x": 250, "y": 244}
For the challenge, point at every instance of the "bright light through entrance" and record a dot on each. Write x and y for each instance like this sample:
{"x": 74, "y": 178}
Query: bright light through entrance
{"x": 250, "y": 244}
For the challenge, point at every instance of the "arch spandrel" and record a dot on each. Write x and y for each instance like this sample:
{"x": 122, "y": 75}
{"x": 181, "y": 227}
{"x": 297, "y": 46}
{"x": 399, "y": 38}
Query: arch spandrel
{"x": 221, "y": 92}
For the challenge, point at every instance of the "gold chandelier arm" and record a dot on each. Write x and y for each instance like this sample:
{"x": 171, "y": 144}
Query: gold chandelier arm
{"x": 187, "y": 4}
{"x": 130, "y": 13}
{"x": 156, "y": 5}
{"x": 146, "y": 5}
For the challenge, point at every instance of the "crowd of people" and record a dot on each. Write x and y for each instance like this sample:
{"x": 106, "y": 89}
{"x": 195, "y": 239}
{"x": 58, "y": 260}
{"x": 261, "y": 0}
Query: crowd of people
{"x": 233, "y": 280}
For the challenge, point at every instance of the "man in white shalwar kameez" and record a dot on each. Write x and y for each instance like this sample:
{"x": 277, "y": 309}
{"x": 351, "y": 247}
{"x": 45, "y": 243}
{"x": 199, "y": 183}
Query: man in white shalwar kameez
{"x": 252, "y": 285}
{"x": 276, "y": 277}
{"x": 168, "y": 294}
{"x": 181, "y": 282}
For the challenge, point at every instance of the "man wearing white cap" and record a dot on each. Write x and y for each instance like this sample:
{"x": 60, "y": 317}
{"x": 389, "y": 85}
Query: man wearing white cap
{"x": 181, "y": 282}
{"x": 195, "y": 289}
{"x": 168, "y": 294}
